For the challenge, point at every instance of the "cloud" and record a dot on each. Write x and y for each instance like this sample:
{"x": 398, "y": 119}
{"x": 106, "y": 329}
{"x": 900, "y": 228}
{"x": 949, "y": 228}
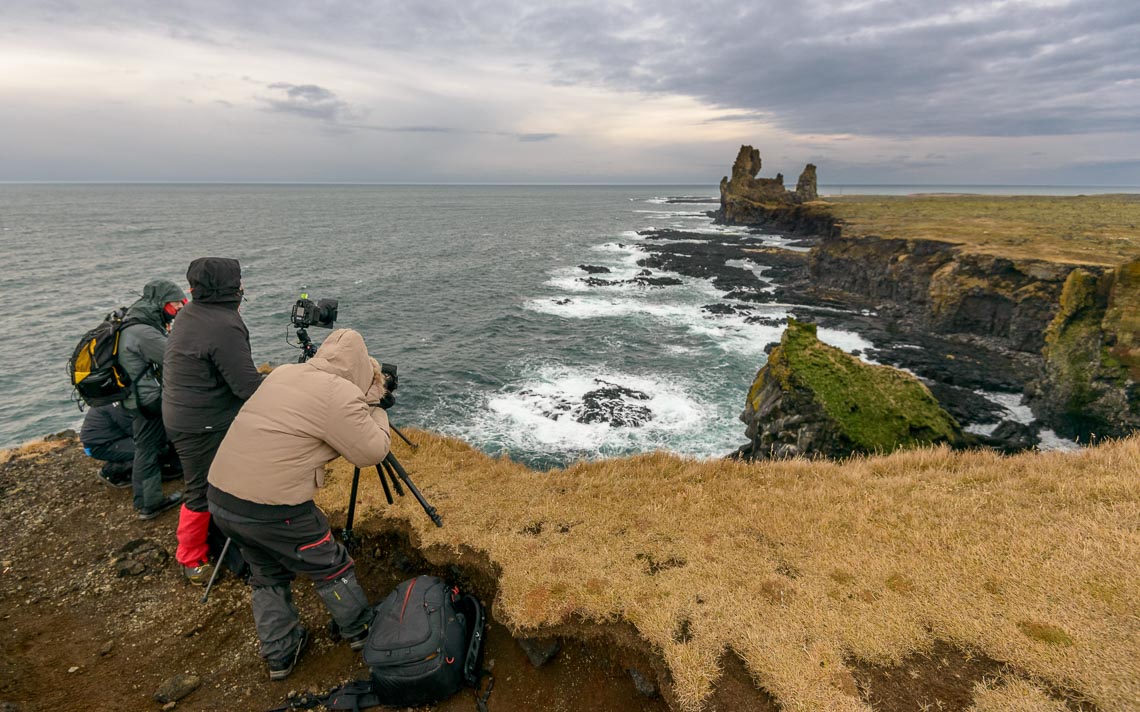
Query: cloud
{"x": 535, "y": 137}
{"x": 889, "y": 68}
{"x": 1042, "y": 84}
{"x": 308, "y": 100}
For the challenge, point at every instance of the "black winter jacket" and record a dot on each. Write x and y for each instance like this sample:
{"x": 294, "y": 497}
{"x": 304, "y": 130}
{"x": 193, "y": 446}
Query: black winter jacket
{"x": 208, "y": 371}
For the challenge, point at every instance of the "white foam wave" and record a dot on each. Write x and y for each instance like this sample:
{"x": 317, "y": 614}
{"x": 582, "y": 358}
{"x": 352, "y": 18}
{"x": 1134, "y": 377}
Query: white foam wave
{"x": 539, "y": 413}
{"x": 1018, "y": 411}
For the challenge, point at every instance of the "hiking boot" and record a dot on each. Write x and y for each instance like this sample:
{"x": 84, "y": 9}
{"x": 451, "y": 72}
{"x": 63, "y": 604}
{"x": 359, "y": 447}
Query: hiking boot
{"x": 199, "y": 575}
{"x": 167, "y": 503}
{"x": 116, "y": 481}
{"x": 280, "y": 668}
{"x": 356, "y": 642}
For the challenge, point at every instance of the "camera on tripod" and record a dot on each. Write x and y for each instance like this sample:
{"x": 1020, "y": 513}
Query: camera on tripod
{"x": 308, "y": 313}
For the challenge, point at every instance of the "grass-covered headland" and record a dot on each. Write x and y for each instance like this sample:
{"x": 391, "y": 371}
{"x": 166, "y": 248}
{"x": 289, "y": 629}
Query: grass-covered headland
{"x": 1083, "y": 229}
{"x": 1016, "y": 578}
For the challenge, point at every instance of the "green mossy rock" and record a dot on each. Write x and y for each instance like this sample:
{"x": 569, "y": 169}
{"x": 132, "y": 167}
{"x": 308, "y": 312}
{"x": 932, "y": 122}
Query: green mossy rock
{"x": 1092, "y": 355}
{"x": 816, "y": 400}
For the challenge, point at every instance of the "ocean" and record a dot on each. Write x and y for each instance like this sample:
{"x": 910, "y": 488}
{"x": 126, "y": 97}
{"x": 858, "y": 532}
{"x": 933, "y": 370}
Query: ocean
{"x": 475, "y": 292}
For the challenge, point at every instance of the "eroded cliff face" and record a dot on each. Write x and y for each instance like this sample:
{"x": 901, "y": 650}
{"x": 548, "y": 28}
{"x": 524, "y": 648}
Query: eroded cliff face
{"x": 814, "y": 400}
{"x": 1091, "y": 382}
{"x": 932, "y": 286}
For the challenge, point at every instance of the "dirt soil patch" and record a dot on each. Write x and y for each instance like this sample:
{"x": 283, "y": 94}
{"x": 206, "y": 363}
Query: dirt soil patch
{"x": 943, "y": 678}
{"x": 95, "y": 616}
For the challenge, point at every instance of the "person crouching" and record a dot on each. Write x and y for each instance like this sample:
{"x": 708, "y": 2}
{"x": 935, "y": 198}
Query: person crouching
{"x": 264, "y": 476}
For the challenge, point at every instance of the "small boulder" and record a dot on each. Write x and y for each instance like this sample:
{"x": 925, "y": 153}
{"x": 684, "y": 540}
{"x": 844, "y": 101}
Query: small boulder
{"x": 177, "y": 687}
{"x": 594, "y": 269}
{"x": 539, "y": 650}
{"x": 643, "y": 683}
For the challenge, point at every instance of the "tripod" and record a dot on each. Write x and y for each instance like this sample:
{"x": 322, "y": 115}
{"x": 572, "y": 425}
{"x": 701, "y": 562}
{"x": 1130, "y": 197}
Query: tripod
{"x": 389, "y": 469}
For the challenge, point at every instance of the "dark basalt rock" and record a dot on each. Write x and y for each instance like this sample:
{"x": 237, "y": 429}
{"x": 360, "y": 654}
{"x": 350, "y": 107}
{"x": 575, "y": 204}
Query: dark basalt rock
{"x": 722, "y": 308}
{"x": 594, "y": 269}
{"x": 539, "y": 650}
{"x": 964, "y": 404}
{"x": 611, "y": 404}
{"x": 766, "y": 321}
{"x": 656, "y": 281}
{"x": 643, "y": 280}
{"x": 138, "y": 557}
{"x": 1011, "y": 436}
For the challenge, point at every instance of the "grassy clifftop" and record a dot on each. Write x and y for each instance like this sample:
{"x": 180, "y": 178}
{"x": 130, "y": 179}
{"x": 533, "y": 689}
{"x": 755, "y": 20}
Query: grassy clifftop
{"x": 1094, "y": 230}
{"x": 818, "y": 575}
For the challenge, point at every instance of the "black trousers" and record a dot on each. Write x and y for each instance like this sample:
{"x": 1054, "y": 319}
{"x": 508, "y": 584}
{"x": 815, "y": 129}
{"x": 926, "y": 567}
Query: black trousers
{"x": 276, "y": 552}
{"x": 146, "y": 475}
{"x": 196, "y": 451}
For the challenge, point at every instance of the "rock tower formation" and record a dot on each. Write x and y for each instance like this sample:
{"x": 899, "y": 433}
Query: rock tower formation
{"x": 741, "y": 193}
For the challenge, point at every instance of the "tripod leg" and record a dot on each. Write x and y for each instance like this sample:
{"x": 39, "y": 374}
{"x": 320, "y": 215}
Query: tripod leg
{"x": 430, "y": 510}
{"x": 403, "y": 437}
{"x": 217, "y": 568}
{"x": 387, "y": 492}
{"x": 392, "y": 476}
{"x": 349, "y": 539}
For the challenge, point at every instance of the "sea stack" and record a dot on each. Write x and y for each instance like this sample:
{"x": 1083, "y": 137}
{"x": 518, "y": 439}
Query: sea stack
{"x": 744, "y": 192}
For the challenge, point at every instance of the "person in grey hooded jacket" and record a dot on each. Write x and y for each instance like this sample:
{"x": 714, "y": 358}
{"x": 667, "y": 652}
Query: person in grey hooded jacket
{"x": 142, "y": 344}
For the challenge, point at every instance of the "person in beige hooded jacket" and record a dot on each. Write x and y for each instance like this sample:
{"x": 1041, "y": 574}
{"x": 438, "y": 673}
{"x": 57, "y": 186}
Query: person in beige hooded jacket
{"x": 263, "y": 479}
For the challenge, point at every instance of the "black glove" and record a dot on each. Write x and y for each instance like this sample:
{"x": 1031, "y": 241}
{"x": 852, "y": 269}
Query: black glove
{"x": 387, "y": 401}
{"x": 391, "y": 381}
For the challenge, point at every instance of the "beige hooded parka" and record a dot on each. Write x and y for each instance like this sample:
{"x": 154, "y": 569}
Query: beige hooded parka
{"x": 303, "y": 416}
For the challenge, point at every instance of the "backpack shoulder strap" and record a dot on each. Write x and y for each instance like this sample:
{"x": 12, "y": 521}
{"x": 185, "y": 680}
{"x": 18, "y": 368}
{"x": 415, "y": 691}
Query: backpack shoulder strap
{"x": 471, "y": 672}
{"x": 355, "y": 695}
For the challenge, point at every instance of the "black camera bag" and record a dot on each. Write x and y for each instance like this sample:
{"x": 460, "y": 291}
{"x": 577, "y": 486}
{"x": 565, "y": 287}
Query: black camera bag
{"x": 424, "y": 643}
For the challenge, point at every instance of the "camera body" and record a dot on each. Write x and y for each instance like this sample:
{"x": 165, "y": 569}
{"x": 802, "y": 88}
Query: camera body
{"x": 308, "y": 313}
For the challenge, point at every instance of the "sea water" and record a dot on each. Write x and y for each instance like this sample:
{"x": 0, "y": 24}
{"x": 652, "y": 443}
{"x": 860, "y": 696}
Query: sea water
{"x": 475, "y": 292}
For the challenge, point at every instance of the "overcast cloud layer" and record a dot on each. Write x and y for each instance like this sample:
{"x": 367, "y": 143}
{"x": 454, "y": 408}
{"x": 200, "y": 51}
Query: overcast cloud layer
{"x": 874, "y": 91}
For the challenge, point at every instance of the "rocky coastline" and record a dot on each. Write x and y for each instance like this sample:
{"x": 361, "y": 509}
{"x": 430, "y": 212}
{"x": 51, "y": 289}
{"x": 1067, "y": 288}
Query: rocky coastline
{"x": 976, "y": 328}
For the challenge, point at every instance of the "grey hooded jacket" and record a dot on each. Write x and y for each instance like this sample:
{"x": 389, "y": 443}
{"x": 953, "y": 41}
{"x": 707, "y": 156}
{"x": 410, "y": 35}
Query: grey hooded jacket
{"x": 143, "y": 343}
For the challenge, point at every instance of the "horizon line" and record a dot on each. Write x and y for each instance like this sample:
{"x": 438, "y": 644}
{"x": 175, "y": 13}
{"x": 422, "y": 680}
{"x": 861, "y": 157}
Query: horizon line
{"x": 537, "y": 184}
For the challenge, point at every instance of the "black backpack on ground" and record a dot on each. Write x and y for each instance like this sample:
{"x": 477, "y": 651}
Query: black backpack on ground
{"x": 425, "y": 643}
{"x": 94, "y": 367}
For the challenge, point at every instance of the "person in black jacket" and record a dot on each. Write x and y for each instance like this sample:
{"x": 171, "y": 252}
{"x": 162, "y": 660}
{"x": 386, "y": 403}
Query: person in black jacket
{"x": 106, "y": 435}
{"x": 208, "y": 374}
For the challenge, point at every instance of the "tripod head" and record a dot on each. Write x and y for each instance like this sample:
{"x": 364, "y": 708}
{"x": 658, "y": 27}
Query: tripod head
{"x": 308, "y": 348}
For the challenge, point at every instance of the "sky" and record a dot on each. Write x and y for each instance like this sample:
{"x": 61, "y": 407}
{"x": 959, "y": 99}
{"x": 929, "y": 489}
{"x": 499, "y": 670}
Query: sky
{"x": 1032, "y": 92}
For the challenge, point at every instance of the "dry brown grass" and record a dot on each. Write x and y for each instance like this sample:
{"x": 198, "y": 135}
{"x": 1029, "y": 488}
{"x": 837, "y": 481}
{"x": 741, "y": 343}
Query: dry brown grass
{"x": 31, "y": 450}
{"x": 1033, "y": 560}
{"x": 1098, "y": 229}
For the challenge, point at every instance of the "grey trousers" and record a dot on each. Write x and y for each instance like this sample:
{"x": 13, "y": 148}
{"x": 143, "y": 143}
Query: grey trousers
{"x": 276, "y": 552}
{"x": 146, "y": 475}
